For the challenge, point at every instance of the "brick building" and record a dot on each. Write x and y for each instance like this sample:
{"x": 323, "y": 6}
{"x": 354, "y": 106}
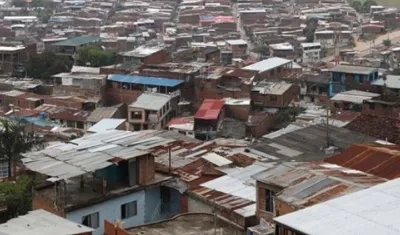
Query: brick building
{"x": 88, "y": 192}
{"x": 150, "y": 111}
{"x": 126, "y": 88}
{"x": 292, "y": 186}
{"x": 208, "y": 119}
{"x": 238, "y": 48}
{"x": 274, "y": 94}
{"x": 11, "y": 56}
{"x": 146, "y": 55}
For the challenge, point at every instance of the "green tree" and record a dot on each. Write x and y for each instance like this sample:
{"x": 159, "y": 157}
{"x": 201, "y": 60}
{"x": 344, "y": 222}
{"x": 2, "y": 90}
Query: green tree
{"x": 324, "y": 52}
{"x": 15, "y": 140}
{"x": 44, "y": 15}
{"x": 309, "y": 30}
{"x": 47, "y": 64}
{"x": 17, "y": 197}
{"x": 357, "y": 5}
{"x": 287, "y": 116}
{"x": 95, "y": 57}
{"x": 35, "y": 3}
{"x": 261, "y": 49}
{"x": 367, "y": 5}
{"x": 387, "y": 42}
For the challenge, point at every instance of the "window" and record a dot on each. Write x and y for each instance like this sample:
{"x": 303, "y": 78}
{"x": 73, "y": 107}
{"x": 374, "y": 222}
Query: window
{"x": 3, "y": 169}
{"x": 269, "y": 200}
{"x": 372, "y": 106}
{"x": 80, "y": 125}
{"x": 91, "y": 220}
{"x": 128, "y": 210}
{"x": 273, "y": 98}
{"x": 136, "y": 115}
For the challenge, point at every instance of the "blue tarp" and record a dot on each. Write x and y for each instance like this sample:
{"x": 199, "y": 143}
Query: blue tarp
{"x": 144, "y": 80}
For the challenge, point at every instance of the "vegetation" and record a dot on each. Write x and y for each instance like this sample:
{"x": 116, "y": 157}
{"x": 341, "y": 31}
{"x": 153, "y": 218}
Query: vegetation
{"x": 309, "y": 30}
{"x": 261, "y": 49}
{"x": 324, "y": 52}
{"x": 35, "y": 3}
{"x": 387, "y": 42}
{"x": 95, "y": 57}
{"x": 288, "y": 115}
{"x": 14, "y": 140}
{"x": 16, "y": 196}
{"x": 47, "y": 64}
{"x": 363, "y": 6}
{"x": 44, "y": 15}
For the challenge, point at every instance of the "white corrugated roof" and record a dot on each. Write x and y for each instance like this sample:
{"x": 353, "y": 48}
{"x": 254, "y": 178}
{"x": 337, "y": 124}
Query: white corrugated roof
{"x": 151, "y": 101}
{"x": 41, "y": 222}
{"x": 236, "y": 42}
{"x": 368, "y": 212}
{"x": 216, "y": 159}
{"x": 267, "y": 64}
{"x": 354, "y": 96}
{"x": 106, "y": 124}
{"x": 392, "y": 81}
{"x": 237, "y": 183}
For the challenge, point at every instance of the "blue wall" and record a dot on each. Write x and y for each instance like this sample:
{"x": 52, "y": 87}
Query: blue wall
{"x": 152, "y": 202}
{"x": 111, "y": 210}
{"x": 339, "y": 79}
{"x": 153, "y": 207}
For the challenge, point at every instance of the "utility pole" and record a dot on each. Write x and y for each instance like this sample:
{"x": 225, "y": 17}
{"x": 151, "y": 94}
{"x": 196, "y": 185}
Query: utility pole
{"x": 169, "y": 159}
{"x": 327, "y": 121}
{"x": 215, "y": 214}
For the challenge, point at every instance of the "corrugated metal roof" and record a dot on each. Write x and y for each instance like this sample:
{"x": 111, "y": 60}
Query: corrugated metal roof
{"x": 144, "y": 80}
{"x": 41, "y": 222}
{"x": 97, "y": 151}
{"x": 151, "y": 101}
{"x": 102, "y": 112}
{"x": 106, "y": 124}
{"x": 268, "y": 64}
{"x": 380, "y": 160}
{"x": 237, "y": 183}
{"x": 216, "y": 159}
{"x": 77, "y": 41}
{"x": 354, "y": 69}
{"x": 354, "y": 96}
{"x": 370, "y": 211}
{"x": 392, "y": 81}
{"x": 305, "y": 184}
{"x": 210, "y": 109}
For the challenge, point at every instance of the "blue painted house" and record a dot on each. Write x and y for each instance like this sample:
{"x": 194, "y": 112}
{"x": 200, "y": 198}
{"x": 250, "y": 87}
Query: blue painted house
{"x": 104, "y": 176}
{"x": 346, "y": 77}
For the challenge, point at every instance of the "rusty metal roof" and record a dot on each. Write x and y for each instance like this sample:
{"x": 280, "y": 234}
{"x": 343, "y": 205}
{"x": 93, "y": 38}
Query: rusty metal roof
{"x": 379, "y": 160}
{"x": 306, "y": 184}
{"x": 210, "y": 109}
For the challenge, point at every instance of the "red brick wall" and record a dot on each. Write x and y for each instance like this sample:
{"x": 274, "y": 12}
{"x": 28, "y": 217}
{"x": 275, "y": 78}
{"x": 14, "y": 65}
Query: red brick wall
{"x": 157, "y": 58}
{"x": 115, "y": 95}
{"x": 63, "y": 103}
{"x": 381, "y": 110}
{"x": 39, "y": 202}
{"x": 277, "y": 101}
{"x": 110, "y": 229}
{"x": 261, "y": 127}
{"x": 189, "y": 19}
{"x": 283, "y": 208}
{"x": 184, "y": 204}
{"x": 17, "y": 102}
{"x": 240, "y": 112}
